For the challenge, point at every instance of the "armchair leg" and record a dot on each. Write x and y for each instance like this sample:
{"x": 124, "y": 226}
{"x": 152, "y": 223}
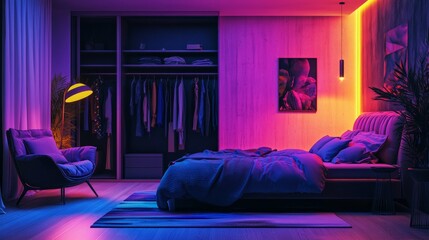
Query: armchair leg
{"x": 22, "y": 195}
{"x": 63, "y": 195}
{"x": 93, "y": 190}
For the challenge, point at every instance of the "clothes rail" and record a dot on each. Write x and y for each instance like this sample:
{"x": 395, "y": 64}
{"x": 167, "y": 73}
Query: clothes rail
{"x": 98, "y": 74}
{"x": 180, "y": 74}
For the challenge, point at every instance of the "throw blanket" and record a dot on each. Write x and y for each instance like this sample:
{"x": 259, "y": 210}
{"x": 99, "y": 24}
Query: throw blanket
{"x": 221, "y": 178}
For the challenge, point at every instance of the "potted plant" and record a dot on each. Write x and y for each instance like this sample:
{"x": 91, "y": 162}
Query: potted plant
{"x": 410, "y": 94}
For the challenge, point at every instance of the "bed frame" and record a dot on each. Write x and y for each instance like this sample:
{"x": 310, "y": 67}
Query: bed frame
{"x": 357, "y": 181}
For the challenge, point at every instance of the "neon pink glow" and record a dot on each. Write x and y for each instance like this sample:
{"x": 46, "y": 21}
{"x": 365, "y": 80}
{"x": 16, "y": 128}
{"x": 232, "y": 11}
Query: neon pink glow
{"x": 224, "y": 7}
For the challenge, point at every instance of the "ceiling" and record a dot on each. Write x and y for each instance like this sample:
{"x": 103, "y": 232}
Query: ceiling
{"x": 223, "y": 7}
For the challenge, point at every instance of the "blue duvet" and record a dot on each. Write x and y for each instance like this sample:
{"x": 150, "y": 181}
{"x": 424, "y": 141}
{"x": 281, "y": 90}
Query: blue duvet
{"x": 221, "y": 178}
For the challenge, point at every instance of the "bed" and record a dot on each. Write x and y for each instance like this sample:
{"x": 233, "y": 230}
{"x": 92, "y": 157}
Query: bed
{"x": 335, "y": 167}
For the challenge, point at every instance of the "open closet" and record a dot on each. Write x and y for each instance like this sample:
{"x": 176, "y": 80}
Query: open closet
{"x": 155, "y": 80}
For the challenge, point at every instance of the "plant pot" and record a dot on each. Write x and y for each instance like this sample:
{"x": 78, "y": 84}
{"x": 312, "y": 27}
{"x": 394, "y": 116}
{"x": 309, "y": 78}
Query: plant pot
{"x": 420, "y": 188}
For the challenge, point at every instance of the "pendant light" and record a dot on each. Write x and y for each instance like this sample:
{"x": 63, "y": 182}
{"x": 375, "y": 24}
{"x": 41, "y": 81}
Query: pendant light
{"x": 341, "y": 45}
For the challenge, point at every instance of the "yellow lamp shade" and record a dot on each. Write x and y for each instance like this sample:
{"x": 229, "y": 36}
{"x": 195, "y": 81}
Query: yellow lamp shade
{"x": 77, "y": 92}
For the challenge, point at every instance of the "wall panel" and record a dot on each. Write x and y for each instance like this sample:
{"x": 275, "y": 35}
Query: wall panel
{"x": 377, "y": 18}
{"x": 249, "y": 51}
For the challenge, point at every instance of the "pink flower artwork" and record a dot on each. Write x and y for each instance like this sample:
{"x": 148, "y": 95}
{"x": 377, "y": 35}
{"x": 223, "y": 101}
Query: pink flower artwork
{"x": 297, "y": 84}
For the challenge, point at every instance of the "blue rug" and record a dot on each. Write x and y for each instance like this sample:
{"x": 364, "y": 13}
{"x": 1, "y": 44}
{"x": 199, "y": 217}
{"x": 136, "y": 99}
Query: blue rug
{"x": 140, "y": 211}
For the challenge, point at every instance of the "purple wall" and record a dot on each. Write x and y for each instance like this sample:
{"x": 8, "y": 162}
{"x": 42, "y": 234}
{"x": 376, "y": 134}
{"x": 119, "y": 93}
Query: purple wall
{"x": 379, "y": 17}
{"x": 61, "y": 48}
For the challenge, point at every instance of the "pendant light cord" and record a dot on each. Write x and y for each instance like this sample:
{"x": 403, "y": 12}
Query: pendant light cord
{"x": 341, "y": 44}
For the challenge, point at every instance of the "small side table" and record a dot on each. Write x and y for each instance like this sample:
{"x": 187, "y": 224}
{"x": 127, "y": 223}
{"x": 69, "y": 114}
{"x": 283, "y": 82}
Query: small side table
{"x": 420, "y": 200}
{"x": 383, "y": 202}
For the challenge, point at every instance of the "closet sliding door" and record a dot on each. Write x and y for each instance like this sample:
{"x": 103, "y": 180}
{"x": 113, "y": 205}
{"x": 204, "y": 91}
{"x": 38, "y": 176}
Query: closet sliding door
{"x": 170, "y": 90}
{"x": 155, "y": 83}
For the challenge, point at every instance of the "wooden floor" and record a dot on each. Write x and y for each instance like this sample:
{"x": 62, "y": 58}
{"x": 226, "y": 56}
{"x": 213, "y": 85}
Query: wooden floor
{"x": 42, "y": 216}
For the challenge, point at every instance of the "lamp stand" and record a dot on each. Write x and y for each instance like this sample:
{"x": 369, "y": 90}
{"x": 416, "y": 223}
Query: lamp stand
{"x": 62, "y": 119}
{"x": 74, "y": 93}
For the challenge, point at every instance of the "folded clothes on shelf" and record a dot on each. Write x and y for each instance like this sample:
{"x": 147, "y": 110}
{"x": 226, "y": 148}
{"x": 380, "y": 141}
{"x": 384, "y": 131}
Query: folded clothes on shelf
{"x": 174, "y": 60}
{"x": 204, "y": 61}
{"x": 149, "y": 60}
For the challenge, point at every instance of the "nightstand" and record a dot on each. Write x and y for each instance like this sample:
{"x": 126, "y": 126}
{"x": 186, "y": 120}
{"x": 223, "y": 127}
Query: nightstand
{"x": 383, "y": 202}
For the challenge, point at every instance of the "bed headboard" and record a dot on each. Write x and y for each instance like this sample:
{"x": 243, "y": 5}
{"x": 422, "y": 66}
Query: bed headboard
{"x": 388, "y": 123}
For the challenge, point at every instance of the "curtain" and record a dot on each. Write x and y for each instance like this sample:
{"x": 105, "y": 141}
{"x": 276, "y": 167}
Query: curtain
{"x": 27, "y": 76}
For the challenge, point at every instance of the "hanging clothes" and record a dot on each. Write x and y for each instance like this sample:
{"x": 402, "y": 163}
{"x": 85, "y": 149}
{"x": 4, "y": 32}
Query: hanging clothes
{"x": 180, "y": 105}
{"x": 160, "y": 104}
{"x": 207, "y": 110}
{"x": 138, "y": 102}
{"x": 201, "y": 108}
{"x": 145, "y": 109}
{"x": 175, "y": 104}
{"x": 108, "y": 111}
{"x": 144, "y": 90}
{"x": 148, "y": 105}
{"x": 214, "y": 102}
{"x": 153, "y": 106}
{"x": 195, "y": 116}
{"x": 132, "y": 92}
{"x": 172, "y": 117}
{"x": 181, "y": 115}
{"x": 166, "y": 106}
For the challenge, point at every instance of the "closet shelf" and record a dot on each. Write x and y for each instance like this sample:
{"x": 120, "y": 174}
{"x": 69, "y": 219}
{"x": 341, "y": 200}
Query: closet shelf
{"x": 98, "y": 74}
{"x": 169, "y": 51}
{"x": 98, "y": 65}
{"x": 97, "y": 51}
{"x": 169, "y": 66}
{"x": 173, "y": 74}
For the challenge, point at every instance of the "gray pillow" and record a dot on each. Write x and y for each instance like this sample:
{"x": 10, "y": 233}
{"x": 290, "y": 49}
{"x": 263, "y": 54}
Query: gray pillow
{"x": 44, "y": 146}
{"x": 332, "y": 148}
{"x": 372, "y": 141}
{"x": 353, "y": 154}
{"x": 320, "y": 143}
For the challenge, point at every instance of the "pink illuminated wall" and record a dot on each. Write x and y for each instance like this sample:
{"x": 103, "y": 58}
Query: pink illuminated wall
{"x": 249, "y": 49}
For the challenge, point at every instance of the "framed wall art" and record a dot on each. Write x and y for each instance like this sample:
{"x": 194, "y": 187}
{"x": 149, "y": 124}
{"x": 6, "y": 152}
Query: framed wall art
{"x": 297, "y": 84}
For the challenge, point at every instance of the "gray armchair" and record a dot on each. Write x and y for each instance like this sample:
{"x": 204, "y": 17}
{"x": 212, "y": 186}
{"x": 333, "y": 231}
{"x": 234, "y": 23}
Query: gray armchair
{"x": 41, "y": 165}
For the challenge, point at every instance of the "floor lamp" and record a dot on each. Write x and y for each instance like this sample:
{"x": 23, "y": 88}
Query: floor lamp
{"x": 76, "y": 92}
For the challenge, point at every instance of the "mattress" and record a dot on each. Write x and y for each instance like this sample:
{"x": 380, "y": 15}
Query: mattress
{"x": 358, "y": 171}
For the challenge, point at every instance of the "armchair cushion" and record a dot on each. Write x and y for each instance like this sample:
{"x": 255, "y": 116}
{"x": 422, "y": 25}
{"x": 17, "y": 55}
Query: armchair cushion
{"x": 44, "y": 146}
{"x": 76, "y": 154}
{"x": 77, "y": 169}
